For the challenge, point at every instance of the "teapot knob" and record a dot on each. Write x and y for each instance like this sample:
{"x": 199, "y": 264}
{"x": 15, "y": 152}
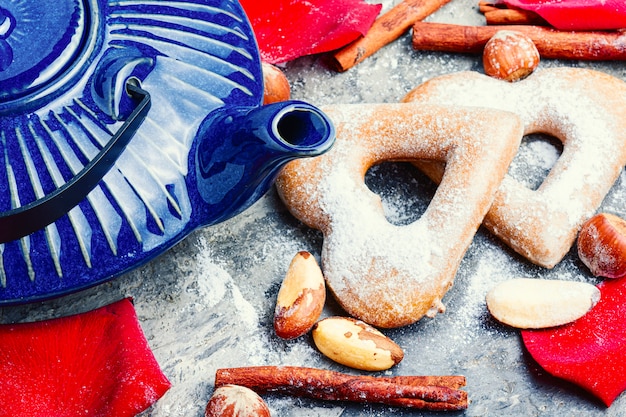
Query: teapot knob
{"x": 7, "y": 23}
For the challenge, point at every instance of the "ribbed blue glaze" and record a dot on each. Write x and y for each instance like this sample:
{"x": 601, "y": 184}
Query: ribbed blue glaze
{"x": 206, "y": 151}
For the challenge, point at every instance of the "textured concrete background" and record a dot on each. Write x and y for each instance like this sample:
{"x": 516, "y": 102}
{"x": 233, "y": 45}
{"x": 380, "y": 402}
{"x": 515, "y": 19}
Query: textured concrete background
{"x": 208, "y": 302}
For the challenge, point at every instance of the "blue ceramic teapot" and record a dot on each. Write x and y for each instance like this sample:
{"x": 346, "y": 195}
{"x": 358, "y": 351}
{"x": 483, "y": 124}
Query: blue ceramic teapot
{"x": 124, "y": 126}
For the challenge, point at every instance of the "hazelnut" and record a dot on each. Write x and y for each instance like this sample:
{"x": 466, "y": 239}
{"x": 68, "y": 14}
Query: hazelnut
{"x": 301, "y": 297}
{"x": 510, "y": 56}
{"x": 602, "y": 245}
{"x": 236, "y": 401}
{"x": 275, "y": 84}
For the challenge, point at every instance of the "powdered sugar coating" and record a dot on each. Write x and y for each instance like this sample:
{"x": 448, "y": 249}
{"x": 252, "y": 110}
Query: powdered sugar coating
{"x": 384, "y": 274}
{"x": 582, "y": 108}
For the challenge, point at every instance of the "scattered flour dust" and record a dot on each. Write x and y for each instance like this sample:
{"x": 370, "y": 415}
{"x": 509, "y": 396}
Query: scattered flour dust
{"x": 215, "y": 283}
{"x": 217, "y": 327}
{"x": 492, "y": 267}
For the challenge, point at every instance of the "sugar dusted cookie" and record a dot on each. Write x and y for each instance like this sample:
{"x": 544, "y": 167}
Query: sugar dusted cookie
{"x": 390, "y": 275}
{"x": 582, "y": 108}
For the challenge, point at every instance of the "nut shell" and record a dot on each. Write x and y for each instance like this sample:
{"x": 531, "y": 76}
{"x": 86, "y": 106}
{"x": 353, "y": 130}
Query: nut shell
{"x": 301, "y": 297}
{"x": 275, "y": 84}
{"x": 540, "y": 303}
{"x": 356, "y": 344}
{"x": 236, "y": 401}
{"x": 602, "y": 245}
{"x": 510, "y": 56}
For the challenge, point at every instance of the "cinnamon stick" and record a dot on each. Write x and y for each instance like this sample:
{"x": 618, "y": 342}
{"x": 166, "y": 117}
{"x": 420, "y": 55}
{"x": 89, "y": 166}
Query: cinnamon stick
{"x": 486, "y": 6}
{"x": 513, "y": 17}
{"x": 499, "y": 14}
{"x": 387, "y": 28}
{"x": 423, "y": 392}
{"x": 551, "y": 43}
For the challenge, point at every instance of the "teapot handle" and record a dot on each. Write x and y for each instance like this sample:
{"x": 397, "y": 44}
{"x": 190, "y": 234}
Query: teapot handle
{"x": 22, "y": 221}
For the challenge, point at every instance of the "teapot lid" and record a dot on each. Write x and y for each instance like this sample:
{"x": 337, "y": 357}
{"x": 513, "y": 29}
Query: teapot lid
{"x": 48, "y": 46}
{"x": 41, "y": 42}
{"x": 70, "y": 72}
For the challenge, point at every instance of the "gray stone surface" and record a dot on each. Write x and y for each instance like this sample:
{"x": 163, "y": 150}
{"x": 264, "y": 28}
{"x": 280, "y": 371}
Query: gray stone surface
{"x": 208, "y": 302}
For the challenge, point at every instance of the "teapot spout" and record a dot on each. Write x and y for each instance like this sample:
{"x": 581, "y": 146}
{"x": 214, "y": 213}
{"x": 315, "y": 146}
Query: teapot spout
{"x": 240, "y": 151}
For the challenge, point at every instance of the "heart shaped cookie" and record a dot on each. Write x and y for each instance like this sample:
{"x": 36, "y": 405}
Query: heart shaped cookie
{"x": 384, "y": 274}
{"x": 585, "y": 110}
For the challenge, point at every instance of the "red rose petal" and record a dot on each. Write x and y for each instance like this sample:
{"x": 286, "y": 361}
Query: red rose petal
{"x": 590, "y": 352}
{"x": 288, "y": 29}
{"x": 577, "y": 14}
{"x": 91, "y": 364}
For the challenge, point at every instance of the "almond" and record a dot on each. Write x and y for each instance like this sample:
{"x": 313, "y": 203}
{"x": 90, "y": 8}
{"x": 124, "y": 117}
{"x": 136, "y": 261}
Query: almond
{"x": 356, "y": 344}
{"x": 301, "y": 297}
{"x": 528, "y": 303}
{"x": 236, "y": 401}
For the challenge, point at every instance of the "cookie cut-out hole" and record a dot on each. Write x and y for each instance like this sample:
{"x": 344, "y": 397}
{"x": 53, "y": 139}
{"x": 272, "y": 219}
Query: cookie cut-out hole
{"x": 404, "y": 190}
{"x": 536, "y": 156}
